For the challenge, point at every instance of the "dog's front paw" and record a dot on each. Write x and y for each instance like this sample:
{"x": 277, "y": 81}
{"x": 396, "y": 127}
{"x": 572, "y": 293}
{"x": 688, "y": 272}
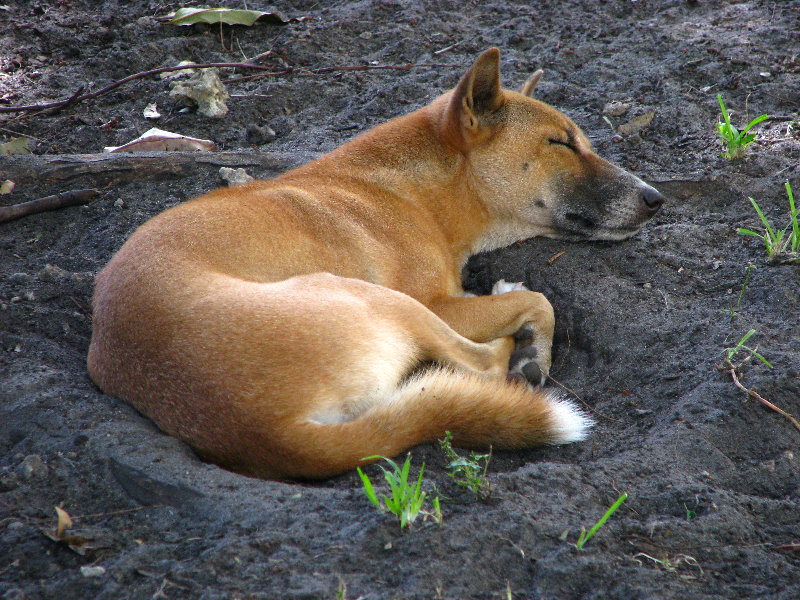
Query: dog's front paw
{"x": 503, "y": 286}
{"x": 524, "y": 364}
{"x": 530, "y": 361}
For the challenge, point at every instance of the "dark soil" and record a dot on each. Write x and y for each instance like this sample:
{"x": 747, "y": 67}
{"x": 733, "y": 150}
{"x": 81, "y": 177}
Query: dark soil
{"x": 713, "y": 479}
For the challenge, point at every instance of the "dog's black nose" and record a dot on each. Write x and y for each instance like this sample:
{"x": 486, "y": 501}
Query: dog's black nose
{"x": 652, "y": 198}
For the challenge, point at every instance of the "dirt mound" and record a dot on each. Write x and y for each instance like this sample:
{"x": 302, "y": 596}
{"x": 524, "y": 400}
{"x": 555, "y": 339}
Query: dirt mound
{"x": 713, "y": 478}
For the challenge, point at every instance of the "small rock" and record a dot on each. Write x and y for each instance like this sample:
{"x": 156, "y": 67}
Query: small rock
{"x": 17, "y": 278}
{"x": 259, "y": 135}
{"x": 52, "y": 273}
{"x": 234, "y": 176}
{"x": 615, "y": 108}
{"x": 92, "y": 570}
{"x": 32, "y": 467}
{"x": 206, "y": 90}
{"x": 119, "y": 203}
{"x": 9, "y": 480}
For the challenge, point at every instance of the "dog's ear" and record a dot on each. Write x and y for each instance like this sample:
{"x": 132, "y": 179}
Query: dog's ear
{"x": 530, "y": 85}
{"x": 476, "y": 98}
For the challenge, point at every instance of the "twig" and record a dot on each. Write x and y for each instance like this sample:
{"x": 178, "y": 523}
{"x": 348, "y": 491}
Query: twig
{"x": 589, "y": 408}
{"x": 54, "y": 202}
{"x": 731, "y": 368}
{"x": 450, "y": 47}
{"x": 790, "y": 547}
{"x": 78, "y": 97}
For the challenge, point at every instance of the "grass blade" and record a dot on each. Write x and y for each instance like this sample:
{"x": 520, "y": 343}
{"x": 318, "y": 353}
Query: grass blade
{"x": 794, "y": 212}
{"x": 583, "y": 539}
{"x": 369, "y": 491}
{"x": 755, "y": 121}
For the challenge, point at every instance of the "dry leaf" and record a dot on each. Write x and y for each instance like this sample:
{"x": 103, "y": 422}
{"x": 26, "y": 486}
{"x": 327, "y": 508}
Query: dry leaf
{"x": 636, "y": 124}
{"x": 229, "y": 16}
{"x": 64, "y": 522}
{"x": 158, "y": 140}
{"x": 19, "y": 145}
{"x": 7, "y": 187}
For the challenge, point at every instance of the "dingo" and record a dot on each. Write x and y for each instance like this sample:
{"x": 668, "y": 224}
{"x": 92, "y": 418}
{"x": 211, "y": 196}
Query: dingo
{"x": 289, "y": 328}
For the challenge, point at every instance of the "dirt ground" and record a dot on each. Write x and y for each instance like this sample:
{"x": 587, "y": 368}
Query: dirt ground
{"x": 713, "y": 479}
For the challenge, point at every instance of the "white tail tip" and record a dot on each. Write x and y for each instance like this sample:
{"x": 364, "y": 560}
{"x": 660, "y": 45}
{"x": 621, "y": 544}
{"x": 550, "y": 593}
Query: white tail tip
{"x": 571, "y": 424}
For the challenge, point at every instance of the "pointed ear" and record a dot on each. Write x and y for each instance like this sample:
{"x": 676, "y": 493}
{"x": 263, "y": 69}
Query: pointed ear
{"x": 530, "y": 85}
{"x": 477, "y": 96}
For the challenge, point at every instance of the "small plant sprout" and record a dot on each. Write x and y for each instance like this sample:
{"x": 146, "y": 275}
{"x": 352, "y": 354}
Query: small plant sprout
{"x": 732, "y": 310}
{"x": 586, "y": 536}
{"x": 690, "y": 514}
{"x": 782, "y": 244}
{"x": 734, "y": 371}
{"x": 731, "y": 352}
{"x": 406, "y": 499}
{"x": 735, "y": 141}
{"x": 468, "y": 472}
{"x": 672, "y": 564}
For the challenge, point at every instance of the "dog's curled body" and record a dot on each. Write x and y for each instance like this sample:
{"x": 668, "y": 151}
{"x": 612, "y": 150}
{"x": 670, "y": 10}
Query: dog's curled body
{"x": 290, "y": 328}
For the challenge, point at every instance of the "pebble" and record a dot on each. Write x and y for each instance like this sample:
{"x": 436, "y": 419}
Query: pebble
{"x": 92, "y": 570}
{"x": 31, "y": 467}
{"x": 258, "y": 135}
{"x": 615, "y": 109}
{"x": 52, "y": 273}
{"x": 234, "y": 176}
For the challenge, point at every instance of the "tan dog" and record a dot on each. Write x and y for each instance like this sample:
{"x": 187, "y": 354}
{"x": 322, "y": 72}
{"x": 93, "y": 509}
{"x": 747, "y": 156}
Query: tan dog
{"x": 289, "y": 328}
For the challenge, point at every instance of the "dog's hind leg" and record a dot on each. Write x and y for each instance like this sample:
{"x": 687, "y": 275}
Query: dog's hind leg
{"x": 364, "y": 395}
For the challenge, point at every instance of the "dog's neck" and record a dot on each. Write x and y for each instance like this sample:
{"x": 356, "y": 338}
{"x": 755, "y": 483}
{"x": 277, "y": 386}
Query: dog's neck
{"x": 440, "y": 185}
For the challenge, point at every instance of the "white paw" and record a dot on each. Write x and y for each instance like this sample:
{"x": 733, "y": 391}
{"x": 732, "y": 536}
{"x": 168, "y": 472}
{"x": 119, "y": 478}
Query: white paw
{"x": 503, "y": 286}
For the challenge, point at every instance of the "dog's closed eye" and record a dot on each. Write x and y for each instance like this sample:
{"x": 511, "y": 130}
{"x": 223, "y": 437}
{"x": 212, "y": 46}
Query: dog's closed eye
{"x": 567, "y": 143}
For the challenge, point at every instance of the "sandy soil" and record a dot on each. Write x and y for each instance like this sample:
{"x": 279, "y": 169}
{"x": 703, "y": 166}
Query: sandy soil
{"x": 713, "y": 478}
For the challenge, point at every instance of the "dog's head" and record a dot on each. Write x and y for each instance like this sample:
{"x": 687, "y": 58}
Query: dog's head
{"x": 533, "y": 167}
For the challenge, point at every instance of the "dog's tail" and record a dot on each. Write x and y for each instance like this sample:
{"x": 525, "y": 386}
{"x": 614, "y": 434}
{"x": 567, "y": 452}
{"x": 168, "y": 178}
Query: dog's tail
{"x": 477, "y": 410}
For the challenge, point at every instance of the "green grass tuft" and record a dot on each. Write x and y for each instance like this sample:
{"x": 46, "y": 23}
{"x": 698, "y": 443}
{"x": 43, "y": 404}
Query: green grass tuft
{"x": 735, "y": 141}
{"x": 468, "y": 472}
{"x": 782, "y": 244}
{"x": 407, "y": 498}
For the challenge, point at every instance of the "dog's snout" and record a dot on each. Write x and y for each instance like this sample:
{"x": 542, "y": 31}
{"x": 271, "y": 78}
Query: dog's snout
{"x": 652, "y": 198}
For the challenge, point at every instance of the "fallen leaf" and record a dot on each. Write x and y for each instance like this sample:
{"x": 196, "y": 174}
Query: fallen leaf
{"x": 636, "y": 124}
{"x": 64, "y": 521}
{"x": 7, "y": 187}
{"x": 229, "y": 16}
{"x": 18, "y": 145}
{"x": 158, "y": 140}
